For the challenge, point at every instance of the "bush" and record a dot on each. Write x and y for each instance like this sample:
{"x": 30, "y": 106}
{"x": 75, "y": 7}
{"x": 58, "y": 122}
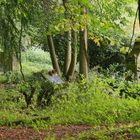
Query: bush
{"x": 92, "y": 101}
{"x": 38, "y": 85}
{"x": 105, "y": 55}
{"x": 13, "y": 77}
{"x": 89, "y": 102}
{"x": 37, "y": 56}
{"x": 34, "y": 60}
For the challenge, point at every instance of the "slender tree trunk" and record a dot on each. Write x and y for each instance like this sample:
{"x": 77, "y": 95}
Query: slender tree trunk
{"x": 83, "y": 50}
{"x": 53, "y": 54}
{"x": 67, "y": 60}
{"x": 8, "y": 59}
{"x": 8, "y": 52}
{"x": 47, "y": 9}
{"x": 71, "y": 70}
{"x": 19, "y": 59}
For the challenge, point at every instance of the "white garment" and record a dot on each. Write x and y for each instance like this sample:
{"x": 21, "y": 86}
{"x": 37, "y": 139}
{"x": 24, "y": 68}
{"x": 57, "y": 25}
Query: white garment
{"x": 55, "y": 79}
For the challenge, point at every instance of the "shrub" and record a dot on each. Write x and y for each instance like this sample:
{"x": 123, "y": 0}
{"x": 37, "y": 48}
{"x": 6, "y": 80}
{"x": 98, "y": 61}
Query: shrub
{"x": 13, "y": 77}
{"x": 89, "y": 102}
{"x": 37, "y": 55}
{"x": 40, "y": 86}
{"x": 34, "y": 60}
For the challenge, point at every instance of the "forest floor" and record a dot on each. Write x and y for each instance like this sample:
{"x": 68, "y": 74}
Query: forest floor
{"x": 20, "y": 123}
{"x": 23, "y": 133}
{"x": 69, "y": 132}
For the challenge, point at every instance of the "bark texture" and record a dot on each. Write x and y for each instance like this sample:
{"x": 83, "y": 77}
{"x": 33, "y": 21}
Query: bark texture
{"x": 53, "y": 54}
{"x": 83, "y": 68}
{"x": 67, "y": 53}
{"x": 70, "y": 74}
{"x": 47, "y": 9}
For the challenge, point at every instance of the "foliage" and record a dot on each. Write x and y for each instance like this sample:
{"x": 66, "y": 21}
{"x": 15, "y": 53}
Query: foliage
{"x": 13, "y": 77}
{"x": 106, "y": 55}
{"x": 105, "y": 98}
{"x": 101, "y": 19}
{"x": 120, "y": 81}
{"x": 36, "y": 56}
{"x": 91, "y": 103}
{"x": 21, "y": 18}
{"x": 103, "y": 23}
{"x": 83, "y": 102}
{"x": 108, "y": 21}
{"x": 34, "y": 60}
{"x": 15, "y": 16}
{"x": 38, "y": 89}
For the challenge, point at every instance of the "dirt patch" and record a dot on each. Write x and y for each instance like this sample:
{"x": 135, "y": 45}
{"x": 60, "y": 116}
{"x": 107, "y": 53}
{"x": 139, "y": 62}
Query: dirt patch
{"x": 59, "y": 131}
{"x": 20, "y": 134}
{"x": 71, "y": 130}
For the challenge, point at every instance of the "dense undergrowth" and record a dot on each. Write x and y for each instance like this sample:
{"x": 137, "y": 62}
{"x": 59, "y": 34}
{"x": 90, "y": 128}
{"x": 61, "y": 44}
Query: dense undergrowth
{"x": 101, "y": 100}
{"x": 84, "y": 102}
{"x": 35, "y": 59}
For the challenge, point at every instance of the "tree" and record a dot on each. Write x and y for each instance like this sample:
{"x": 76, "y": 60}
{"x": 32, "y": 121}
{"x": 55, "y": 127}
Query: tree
{"x": 15, "y": 16}
{"x": 67, "y": 53}
{"x": 71, "y": 18}
{"x": 70, "y": 74}
{"x": 53, "y": 54}
{"x": 70, "y": 50}
{"x": 101, "y": 22}
{"x": 83, "y": 66}
{"x": 68, "y": 44}
{"x": 47, "y": 9}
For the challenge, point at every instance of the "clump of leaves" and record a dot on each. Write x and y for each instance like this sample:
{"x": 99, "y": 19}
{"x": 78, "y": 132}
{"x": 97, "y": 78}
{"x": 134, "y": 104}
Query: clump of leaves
{"x": 13, "y": 77}
{"x": 40, "y": 87}
{"x": 91, "y": 101}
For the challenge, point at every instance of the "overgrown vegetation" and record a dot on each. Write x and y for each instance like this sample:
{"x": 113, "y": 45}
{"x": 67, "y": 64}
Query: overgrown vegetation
{"x": 34, "y": 60}
{"x": 92, "y": 102}
{"x": 88, "y": 45}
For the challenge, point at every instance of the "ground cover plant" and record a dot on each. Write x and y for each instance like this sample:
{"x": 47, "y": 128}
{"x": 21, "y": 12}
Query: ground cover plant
{"x": 69, "y": 69}
{"x": 35, "y": 59}
{"x": 83, "y": 103}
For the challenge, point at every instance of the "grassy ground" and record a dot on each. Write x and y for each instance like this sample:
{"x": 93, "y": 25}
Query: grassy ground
{"x": 85, "y": 104}
{"x": 34, "y": 60}
{"x": 110, "y": 117}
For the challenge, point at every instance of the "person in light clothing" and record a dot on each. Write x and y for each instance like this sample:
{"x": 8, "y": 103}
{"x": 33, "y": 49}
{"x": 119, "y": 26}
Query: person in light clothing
{"x": 54, "y": 78}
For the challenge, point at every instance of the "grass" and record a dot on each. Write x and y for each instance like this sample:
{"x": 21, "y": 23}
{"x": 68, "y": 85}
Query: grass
{"x": 34, "y": 60}
{"x": 109, "y": 133}
{"x": 80, "y": 103}
{"x": 85, "y": 102}
{"x": 94, "y": 107}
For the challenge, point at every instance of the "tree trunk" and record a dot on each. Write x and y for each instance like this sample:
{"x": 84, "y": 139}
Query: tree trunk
{"x": 67, "y": 60}
{"x": 47, "y": 9}
{"x": 71, "y": 70}
{"x": 7, "y": 61}
{"x": 53, "y": 54}
{"x": 8, "y": 52}
{"x": 83, "y": 50}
